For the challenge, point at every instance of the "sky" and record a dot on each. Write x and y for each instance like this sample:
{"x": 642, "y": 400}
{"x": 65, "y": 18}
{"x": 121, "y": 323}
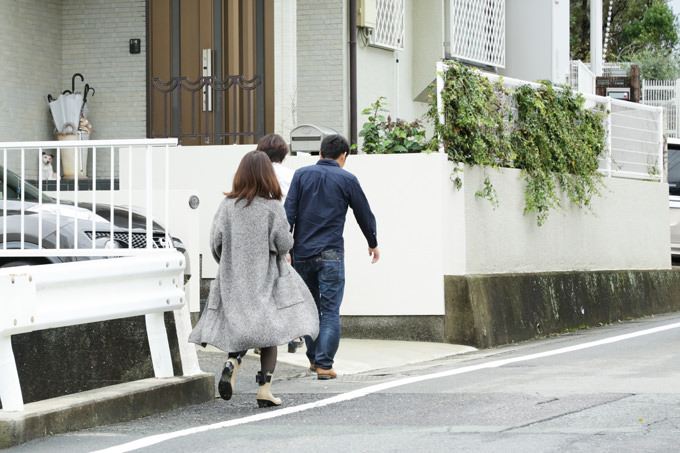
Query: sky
{"x": 675, "y": 6}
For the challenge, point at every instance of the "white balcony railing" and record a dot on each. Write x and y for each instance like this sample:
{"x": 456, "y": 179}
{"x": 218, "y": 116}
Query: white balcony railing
{"x": 83, "y": 215}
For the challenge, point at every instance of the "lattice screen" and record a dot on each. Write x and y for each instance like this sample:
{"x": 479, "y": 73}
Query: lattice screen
{"x": 389, "y": 25}
{"x": 477, "y": 31}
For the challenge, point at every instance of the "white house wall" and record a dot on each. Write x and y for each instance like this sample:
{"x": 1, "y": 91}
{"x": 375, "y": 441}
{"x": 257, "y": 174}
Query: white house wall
{"x": 285, "y": 59}
{"x": 537, "y": 40}
{"x": 627, "y": 229}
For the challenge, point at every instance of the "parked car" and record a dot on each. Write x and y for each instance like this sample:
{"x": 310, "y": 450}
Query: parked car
{"x": 41, "y": 217}
{"x": 674, "y": 195}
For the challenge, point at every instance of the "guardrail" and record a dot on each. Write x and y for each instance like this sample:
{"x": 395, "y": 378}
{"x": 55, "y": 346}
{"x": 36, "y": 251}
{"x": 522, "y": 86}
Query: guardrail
{"x": 57, "y": 295}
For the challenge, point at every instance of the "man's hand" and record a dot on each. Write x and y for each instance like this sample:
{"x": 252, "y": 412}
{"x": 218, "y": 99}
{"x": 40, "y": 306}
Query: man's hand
{"x": 375, "y": 253}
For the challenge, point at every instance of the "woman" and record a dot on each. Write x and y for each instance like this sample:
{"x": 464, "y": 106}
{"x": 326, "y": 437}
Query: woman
{"x": 257, "y": 300}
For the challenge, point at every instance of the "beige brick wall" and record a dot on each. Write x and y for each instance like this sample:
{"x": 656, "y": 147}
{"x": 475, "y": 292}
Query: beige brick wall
{"x": 95, "y": 43}
{"x": 30, "y": 56}
{"x": 321, "y": 63}
{"x": 44, "y": 42}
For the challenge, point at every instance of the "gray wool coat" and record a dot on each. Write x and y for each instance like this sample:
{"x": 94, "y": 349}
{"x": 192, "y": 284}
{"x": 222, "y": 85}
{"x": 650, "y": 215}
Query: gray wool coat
{"x": 257, "y": 299}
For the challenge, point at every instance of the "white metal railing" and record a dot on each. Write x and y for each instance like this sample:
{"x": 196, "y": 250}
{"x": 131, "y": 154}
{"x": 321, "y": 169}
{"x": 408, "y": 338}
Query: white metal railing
{"x": 77, "y": 231}
{"x": 475, "y": 31}
{"x": 635, "y": 139}
{"x": 654, "y": 93}
{"x": 57, "y": 295}
{"x": 664, "y": 94}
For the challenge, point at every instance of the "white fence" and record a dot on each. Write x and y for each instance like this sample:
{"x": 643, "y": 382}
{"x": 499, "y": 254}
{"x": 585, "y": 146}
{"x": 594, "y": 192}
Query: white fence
{"x": 654, "y": 93}
{"x": 634, "y": 132}
{"x": 110, "y": 258}
{"x": 664, "y": 94}
{"x": 31, "y": 218}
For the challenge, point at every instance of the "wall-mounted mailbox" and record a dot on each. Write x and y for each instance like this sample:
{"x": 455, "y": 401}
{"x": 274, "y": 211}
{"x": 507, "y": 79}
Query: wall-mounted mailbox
{"x": 307, "y": 138}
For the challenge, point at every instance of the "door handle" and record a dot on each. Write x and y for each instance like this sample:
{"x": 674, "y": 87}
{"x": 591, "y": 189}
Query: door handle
{"x": 207, "y": 72}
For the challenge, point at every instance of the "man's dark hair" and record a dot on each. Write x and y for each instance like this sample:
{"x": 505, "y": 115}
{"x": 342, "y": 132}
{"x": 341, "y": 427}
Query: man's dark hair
{"x": 333, "y": 146}
{"x": 274, "y": 146}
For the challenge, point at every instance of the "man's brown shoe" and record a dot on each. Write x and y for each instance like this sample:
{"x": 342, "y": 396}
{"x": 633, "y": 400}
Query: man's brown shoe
{"x": 324, "y": 374}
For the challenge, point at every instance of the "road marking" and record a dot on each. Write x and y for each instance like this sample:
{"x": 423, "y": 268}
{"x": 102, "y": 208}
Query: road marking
{"x": 152, "y": 440}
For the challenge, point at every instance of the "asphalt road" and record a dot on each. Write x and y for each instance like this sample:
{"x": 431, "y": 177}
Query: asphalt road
{"x": 608, "y": 389}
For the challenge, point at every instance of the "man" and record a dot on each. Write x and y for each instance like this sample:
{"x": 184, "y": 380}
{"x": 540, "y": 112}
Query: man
{"x": 316, "y": 207}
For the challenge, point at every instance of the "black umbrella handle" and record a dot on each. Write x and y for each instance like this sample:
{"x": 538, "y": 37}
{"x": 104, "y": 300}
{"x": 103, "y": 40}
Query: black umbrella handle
{"x": 73, "y": 81}
{"x": 88, "y": 88}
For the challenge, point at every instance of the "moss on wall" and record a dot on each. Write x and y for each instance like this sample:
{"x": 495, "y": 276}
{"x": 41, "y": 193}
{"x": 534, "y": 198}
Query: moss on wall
{"x": 490, "y": 310}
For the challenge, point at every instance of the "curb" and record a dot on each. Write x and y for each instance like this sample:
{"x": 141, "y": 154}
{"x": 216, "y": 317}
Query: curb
{"x": 107, "y": 405}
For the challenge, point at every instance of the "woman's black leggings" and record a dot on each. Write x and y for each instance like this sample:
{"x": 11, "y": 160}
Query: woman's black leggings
{"x": 267, "y": 358}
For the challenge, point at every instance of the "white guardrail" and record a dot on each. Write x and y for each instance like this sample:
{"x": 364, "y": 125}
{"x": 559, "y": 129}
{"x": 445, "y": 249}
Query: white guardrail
{"x": 102, "y": 270}
{"x": 65, "y": 294}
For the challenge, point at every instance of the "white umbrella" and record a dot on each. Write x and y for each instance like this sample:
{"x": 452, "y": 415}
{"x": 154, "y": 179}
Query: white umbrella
{"x": 66, "y": 111}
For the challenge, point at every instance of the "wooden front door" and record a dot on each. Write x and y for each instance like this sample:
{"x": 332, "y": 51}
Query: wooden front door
{"x": 211, "y": 70}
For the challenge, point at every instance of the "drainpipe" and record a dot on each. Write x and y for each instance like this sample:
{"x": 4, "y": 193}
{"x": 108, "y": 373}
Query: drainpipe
{"x": 353, "y": 72}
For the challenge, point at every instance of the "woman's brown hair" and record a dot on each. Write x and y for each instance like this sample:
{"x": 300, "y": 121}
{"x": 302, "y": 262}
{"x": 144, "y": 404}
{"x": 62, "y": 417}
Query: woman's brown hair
{"x": 255, "y": 177}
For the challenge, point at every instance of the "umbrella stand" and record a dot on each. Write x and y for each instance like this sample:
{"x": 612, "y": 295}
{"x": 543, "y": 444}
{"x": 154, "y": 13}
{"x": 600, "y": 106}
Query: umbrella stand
{"x": 71, "y": 158}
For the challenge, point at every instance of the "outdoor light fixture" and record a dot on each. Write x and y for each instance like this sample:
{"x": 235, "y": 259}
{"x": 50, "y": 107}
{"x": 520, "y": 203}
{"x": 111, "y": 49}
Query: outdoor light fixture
{"x": 194, "y": 202}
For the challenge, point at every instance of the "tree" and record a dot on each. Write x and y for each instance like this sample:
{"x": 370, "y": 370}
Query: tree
{"x": 638, "y": 27}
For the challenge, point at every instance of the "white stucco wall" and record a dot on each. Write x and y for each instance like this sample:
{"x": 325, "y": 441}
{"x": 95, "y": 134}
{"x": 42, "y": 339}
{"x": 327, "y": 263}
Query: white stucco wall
{"x": 285, "y": 62}
{"x": 427, "y": 229}
{"x": 627, "y": 229}
{"x": 537, "y": 40}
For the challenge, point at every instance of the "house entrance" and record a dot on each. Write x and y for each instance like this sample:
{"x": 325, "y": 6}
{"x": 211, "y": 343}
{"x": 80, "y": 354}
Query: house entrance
{"x": 211, "y": 70}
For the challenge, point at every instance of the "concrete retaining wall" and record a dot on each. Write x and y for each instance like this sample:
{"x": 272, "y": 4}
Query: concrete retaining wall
{"x": 495, "y": 309}
{"x": 490, "y": 310}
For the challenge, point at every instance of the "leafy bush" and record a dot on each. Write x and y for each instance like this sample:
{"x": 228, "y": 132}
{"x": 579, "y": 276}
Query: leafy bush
{"x": 384, "y": 136}
{"x": 552, "y": 138}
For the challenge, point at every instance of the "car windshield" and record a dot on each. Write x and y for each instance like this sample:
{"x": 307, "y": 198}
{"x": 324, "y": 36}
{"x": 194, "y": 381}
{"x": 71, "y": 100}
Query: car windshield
{"x": 14, "y": 188}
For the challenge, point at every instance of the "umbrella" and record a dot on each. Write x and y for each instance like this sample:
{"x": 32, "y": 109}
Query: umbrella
{"x": 66, "y": 111}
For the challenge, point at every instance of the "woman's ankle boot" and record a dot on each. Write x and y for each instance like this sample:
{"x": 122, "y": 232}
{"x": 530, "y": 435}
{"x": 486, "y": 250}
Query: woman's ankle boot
{"x": 264, "y": 392}
{"x": 226, "y": 384}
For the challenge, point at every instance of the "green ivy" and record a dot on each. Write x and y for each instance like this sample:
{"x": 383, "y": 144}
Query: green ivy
{"x": 384, "y": 136}
{"x": 552, "y": 138}
{"x": 558, "y": 143}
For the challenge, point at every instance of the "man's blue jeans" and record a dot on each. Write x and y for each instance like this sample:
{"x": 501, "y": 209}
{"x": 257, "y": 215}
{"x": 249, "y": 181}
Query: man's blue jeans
{"x": 325, "y": 277}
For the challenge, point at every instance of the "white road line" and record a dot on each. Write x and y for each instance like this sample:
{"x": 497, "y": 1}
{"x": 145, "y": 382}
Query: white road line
{"x": 152, "y": 440}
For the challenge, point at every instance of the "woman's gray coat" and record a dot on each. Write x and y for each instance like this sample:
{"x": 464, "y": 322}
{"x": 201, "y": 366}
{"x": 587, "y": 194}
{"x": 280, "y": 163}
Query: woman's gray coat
{"x": 249, "y": 305}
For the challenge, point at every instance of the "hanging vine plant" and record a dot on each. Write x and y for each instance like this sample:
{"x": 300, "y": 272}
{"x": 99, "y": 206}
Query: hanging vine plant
{"x": 551, "y": 137}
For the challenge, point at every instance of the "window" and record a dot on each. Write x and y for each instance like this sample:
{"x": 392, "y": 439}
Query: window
{"x": 476, "y": 31}
{"x": 389, "y": 25}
